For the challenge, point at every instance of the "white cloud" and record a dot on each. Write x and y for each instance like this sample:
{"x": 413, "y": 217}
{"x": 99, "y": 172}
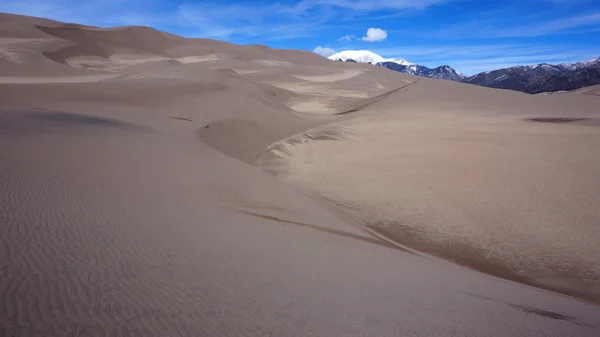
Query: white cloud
{"x": 347, "y": 38}
{"x": 324, "y": 51}
{"x": 375, "y": 35}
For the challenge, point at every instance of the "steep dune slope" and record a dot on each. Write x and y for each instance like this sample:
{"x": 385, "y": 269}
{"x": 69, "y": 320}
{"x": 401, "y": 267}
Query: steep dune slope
{"x": 106, "y": 42}
{"x": 39, "y": 47}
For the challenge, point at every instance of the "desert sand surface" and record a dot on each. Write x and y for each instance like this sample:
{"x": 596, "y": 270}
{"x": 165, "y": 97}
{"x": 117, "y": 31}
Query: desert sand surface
{"x": 180, "y": 192}
{"x": 592, "y": 91}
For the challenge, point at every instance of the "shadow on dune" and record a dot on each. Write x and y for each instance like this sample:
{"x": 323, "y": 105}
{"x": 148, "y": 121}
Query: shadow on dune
{"x": 556, "y": 120}
{"x": 54, "y": 121}
{"x": 566, "y": 120}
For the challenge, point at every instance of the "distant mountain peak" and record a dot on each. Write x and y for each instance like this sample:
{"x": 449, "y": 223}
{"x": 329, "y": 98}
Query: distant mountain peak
{"x": 595, "y": 60}
{"x": 397, "y": 64}
{"x": 401, "y": 61}
{"x": 542, "y": 77}
{"x": 365, "y": 56}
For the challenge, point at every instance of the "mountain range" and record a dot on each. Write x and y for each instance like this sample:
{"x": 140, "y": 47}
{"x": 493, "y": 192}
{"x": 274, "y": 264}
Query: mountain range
{"x": 399, "y": 64}
{"x": 533, "y": 79}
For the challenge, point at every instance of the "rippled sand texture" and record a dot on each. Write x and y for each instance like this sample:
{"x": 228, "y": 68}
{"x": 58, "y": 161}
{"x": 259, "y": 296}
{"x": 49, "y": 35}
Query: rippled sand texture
{"x": 129, "y": 205}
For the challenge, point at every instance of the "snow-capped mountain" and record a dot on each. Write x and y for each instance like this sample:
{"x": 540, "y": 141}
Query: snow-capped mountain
{"x": 364, "y": 56}
{"x": 532, "y": 79}
{"x": 542, "y": 77}
{"x": 397, "y": 64}
{"x": 441, "y": 72}
{"x": 592, "y": 62}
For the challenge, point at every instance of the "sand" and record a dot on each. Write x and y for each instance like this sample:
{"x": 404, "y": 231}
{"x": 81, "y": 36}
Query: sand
{"x": 192, "y": 198}
{"x": 54, "y": 79}
{"x": 345, "y": 75}
{"x": 505, "y": 192}
{"x": 592, "y": 91}
{"x": 485, "y": 181}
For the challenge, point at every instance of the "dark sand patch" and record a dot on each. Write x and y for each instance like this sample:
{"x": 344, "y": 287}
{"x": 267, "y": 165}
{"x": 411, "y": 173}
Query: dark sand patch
{"x": 470, "y": 257}
{"x": 324, "y": 135}
{"x": 555, "y": 120}
{"x": 567, "y": 120}
{"x": 183, "y": 119}
{"x": 543, "y": 313}
{"x": 534, "y": 311}
{"x": 589, "y": 121}
{"x": 58, "y": 121}
{"x": 323, "y": 229}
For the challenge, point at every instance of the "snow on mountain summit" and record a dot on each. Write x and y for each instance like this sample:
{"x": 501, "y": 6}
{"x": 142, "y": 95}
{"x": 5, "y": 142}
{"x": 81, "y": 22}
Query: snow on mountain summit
{"x": 361, "y": 56}
{"x": 541, "y": 78}
{"x": 364, "y": 56}
{"x": 400, "y": 65}
{"x": 592, "y": 61}
{"x": 531, "y": 79}
{"x": 400, "y": 61}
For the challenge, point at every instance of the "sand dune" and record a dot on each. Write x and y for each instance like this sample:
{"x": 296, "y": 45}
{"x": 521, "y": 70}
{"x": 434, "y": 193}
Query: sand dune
{"x": 54, "y": 79}
{"x": 592, "y": 91}
{"x": 130, "y": 205}
{"x": 348, "y": 74}
{"x": 476, "y": 180}
{"x": 527, "y": 206}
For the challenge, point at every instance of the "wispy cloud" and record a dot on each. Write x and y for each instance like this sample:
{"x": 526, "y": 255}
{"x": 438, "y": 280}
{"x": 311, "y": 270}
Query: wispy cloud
{"x": 324, "y": 51}
{"x": 557, "y": 26}
{"x": 347, "y": 38}
{"x": 93, "y": 12}
{"x": 267, "y": 20}
{"x": 285, "y": 19}
{"x": 495, "y": 25}
{"x": 250, "y": 20}
{"x": 375, "y": 5}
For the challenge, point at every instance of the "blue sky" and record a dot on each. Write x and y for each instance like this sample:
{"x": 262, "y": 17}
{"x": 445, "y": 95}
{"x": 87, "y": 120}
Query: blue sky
{"x": 469, "y": 35}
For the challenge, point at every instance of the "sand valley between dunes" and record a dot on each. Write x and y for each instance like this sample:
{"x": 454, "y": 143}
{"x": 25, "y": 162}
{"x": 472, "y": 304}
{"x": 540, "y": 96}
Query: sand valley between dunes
{"x": 154, "y": 185}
